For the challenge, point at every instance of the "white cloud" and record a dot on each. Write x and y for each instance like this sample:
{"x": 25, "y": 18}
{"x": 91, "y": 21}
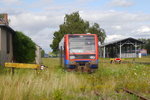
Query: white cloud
{"x": 117, "y": 27}
{"x": 40, "y": 27}
{"x": 35, "y": 22}
{"x": 111, "y": 38}
{"x": 84, "y": 1}
{"x": 43, "y": 38}
{"x": 10, "y": 2}
{"x": 115, "y": 22}
{"x": 144, "y": 29}
{"x": 121, "y": 3}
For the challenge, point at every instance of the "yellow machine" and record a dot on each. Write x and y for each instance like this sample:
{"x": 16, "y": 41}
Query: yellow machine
{"x": 116, "y": 60}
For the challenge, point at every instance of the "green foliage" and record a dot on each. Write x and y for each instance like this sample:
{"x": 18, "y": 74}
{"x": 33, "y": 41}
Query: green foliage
{"x": 146, "y": 45}
{"x": 74, "y": 24}
{"x": 1, "y": 16}
{"x": 52, "y": 54}
{"x": 58, "y": 94}
{"x": 95, "y": 29}
{"x": 42, "y": 53}
{"x": 24, "y": 48}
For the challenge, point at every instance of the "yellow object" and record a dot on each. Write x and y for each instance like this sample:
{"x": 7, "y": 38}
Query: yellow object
{"x": 22, "y": 65}
{"x": 112, "y": 59}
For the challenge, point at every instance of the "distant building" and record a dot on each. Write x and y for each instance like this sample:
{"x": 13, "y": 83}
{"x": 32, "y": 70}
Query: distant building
{"x": 124, "y": 48}
{"x": 143, "y": 52}
{"x": 38, "y": 59}
{"x": 46, "y": 55}
{"x": 6, "y": 41}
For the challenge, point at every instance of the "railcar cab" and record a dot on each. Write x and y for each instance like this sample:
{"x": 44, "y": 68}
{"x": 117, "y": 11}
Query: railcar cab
{"x": 79, "y": 50}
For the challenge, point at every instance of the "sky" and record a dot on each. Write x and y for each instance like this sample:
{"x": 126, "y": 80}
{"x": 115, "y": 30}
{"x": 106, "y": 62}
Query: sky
{"x": 39, "y": 19}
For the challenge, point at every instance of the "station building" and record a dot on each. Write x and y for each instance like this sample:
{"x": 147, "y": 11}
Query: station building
{"x": 124, "y": 48}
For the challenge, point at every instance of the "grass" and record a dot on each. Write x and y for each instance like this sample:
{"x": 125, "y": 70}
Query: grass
{"x": 143, "y": 59}
{"x": 56, "y": 84}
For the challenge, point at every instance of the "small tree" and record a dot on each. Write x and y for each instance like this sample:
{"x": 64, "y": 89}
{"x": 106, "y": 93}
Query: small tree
{"x": 42, "y": 53}
{"x": 24, "y": 48}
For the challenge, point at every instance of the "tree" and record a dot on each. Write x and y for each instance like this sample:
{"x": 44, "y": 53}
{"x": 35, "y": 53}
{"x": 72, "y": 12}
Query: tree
{"x": 42, "y": 53}
{"x": 1, "y": 16}
{"x": 95, "y": 29}
{"x": 146, "y": 45}
{"x": 24, "y": 48}
{"x": 74, "y": 24}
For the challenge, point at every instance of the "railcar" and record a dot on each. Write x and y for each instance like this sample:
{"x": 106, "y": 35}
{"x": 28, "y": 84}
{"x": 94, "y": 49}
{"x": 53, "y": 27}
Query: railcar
{"x": 79, "y": 51}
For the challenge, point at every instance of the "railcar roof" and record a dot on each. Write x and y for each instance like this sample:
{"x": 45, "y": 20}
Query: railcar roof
{"x": 80, "y": 34}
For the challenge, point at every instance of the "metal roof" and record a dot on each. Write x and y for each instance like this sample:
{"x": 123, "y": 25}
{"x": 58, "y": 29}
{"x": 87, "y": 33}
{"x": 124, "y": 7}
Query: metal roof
{"x": 7, "y": 27}
{"x": 122, "y": 41}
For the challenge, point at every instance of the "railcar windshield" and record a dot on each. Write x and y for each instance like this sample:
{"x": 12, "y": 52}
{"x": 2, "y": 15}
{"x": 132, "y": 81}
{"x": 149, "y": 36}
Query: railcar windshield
{"x": 81, "y": 44}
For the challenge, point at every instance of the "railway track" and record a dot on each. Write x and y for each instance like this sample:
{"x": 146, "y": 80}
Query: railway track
{"x": 127, "y": 91}
{"x": 133, "y": 93}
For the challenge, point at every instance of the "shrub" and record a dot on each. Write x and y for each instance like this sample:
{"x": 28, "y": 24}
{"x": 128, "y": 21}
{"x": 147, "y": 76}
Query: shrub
{"x": 24, "y": 48}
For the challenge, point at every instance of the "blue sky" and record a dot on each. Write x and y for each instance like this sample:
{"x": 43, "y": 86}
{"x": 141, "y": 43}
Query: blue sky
{"x": 136, "y": 5}
{"x": 39, "y": 19}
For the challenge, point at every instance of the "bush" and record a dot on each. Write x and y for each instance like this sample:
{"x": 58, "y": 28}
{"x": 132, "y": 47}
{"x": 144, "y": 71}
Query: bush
{"x": 24, "y": 48}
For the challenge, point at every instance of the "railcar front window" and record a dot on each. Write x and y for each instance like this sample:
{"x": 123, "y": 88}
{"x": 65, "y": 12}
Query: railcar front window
{"x": 81, "y": 44}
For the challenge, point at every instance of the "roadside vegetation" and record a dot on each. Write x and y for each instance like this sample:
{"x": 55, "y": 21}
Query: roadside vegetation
{"x": 56, "y": 84}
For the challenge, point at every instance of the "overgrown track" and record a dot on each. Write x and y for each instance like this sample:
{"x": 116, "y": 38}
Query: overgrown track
{"x": 131, "y": 92}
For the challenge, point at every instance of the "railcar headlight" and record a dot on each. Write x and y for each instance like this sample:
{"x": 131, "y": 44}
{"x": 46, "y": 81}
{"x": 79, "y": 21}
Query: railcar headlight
{"x": 72, "y": 57}
{"x": 92, "y": 57}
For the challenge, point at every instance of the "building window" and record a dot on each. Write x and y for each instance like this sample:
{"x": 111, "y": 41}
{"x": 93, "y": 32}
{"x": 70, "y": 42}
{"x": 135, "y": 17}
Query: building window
{"x": 8, "y": 42}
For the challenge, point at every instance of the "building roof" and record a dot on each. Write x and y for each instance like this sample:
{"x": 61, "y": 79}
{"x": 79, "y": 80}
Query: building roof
{"x": 7, "y": 27}
{"x": 129, "y": 40}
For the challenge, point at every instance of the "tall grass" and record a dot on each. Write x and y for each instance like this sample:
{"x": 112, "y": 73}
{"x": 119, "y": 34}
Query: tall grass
{"x": 57, "y": 84}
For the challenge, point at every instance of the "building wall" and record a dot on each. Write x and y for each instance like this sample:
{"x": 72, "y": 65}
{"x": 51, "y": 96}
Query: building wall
{"x": 128, "y": 55}
{"x": 0, "y": 47}
{"x": 38, "y": 59}
{"x": 5, "y": 56}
